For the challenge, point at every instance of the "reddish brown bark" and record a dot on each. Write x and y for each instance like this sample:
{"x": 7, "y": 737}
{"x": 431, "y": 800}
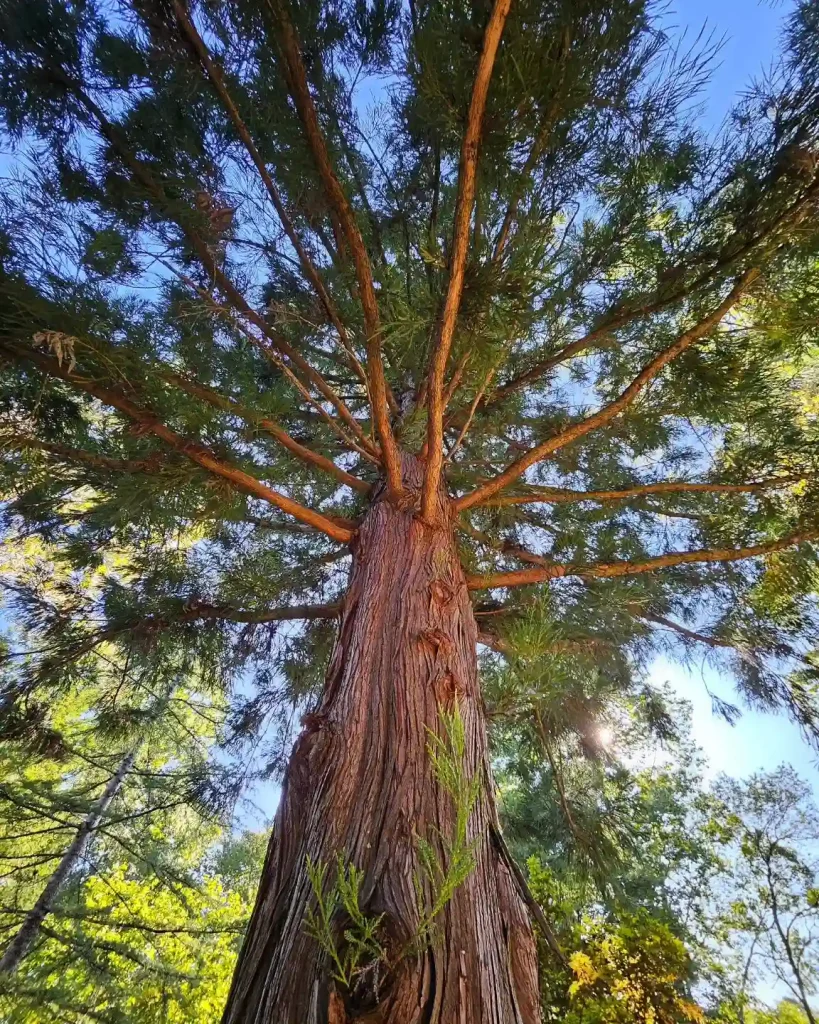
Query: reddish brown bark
{"x": 360, "y": 783}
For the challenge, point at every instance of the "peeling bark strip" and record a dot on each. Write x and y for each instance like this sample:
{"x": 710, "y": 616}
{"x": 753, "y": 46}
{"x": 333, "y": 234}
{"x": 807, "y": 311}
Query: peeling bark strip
{"x": 360, "y": 783}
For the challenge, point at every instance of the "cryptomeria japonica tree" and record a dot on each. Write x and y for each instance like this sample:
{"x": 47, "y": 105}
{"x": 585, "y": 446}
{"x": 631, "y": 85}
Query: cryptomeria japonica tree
{"x": 445, "y": 323}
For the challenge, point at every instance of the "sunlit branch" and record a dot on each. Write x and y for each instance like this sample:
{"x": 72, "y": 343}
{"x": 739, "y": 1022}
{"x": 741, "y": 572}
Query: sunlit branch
{"x": 452, "y": 387}
{"x": 576, "y": 430}
{"x": 238, "y": 301}
{"x": 467, "y": 175}
{"x": 561, "y": 495}
{"x": 193, "y": 450}
{"x": 300, "y": 91}
{"x": 269, "y": 426}
{"x": 216, "y": 78}
{"x": 548, "y": 570}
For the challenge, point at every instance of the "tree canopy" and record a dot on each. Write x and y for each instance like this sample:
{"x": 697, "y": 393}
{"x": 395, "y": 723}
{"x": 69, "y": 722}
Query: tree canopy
{"x": 253, "y": 255}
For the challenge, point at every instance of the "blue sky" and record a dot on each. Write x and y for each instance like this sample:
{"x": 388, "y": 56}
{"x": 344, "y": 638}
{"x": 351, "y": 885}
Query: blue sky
{"x": 751, "y": 30}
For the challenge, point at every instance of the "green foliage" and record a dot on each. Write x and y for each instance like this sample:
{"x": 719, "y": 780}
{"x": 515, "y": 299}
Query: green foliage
{"x": 132, "y": 947}
{"x": 441, "y": 873}
{"x": 360, "y": 952}
{"x": 620, "y": 968}
{"x": 636, "y": 971}
{"x": 148, "y": 280}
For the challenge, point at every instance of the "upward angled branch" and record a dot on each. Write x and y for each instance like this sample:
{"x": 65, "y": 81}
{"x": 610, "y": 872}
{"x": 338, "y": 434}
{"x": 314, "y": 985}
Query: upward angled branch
{"x": 214, "y": 75}
{"x": 270, "y": 426}
{"x": 300, "y": 91}
{"x": 524, "y": 177}
{"x": 457, "y": 263}
{"x": 605, "y": 415}
{"x": 143, "y": 175}
{"x": 789, "y": 217}
{"x": 194, "y": 451}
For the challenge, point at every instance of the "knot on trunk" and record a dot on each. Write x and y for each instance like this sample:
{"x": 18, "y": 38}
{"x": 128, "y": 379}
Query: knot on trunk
{"x": 448, "y": 689}
{"x": 438, "y": 640}
{"x": 441, "y": 592}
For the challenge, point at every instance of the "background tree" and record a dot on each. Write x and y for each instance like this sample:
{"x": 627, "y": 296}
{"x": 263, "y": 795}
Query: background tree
{"x": 769, "y": 896}
{"x": 121, "y": 900}
{"x": 516, "y": 347}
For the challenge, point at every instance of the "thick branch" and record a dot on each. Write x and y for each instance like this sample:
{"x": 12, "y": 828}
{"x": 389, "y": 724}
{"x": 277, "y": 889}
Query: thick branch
{"x": 214, "y": 75}
{"x": 561, "y": 495}
{"x": 300, "y": 91}
{"x": 269, "y": 426}
{"x": 457, "y": 263}
{"x": 144, "y": 177}
{"x": 148, "y": 423}
{"x": 605, "y": 415}
{"x": 554, "y": 570}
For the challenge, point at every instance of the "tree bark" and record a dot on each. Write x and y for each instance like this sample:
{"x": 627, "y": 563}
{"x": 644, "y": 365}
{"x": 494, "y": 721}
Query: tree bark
{"x": 30, "y": 928}
{"x": 360, "y": 784}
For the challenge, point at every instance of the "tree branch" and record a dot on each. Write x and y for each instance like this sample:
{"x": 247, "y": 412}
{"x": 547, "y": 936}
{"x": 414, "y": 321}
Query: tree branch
{"x": 789, "y": 216}
{"x": 216, "y": 78}
{"x": 360, "y": 443}
{"x": 467, "y": 175}
{"x": 300, "y": 91}
{"x": 605, "y": 415}
{"x": 145, "y": 178}
{"x": 561, "y": 495}
{"x": 197, "y": 612}
{"x": 532, "y": 904}
{"x": 690, "y": 634}
{"x": 103, "y": 462}
{"x": 473, "y": 405}
{"x": 554, "y": 570}
{"x": 538, "y": 145}
{"x": 269, "y": 426}
{"x": 196, "y": 452}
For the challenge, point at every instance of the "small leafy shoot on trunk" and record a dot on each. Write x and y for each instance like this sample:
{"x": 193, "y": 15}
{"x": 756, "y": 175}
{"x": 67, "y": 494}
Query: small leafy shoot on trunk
{"x": 447, "y": 754}
{"x": 360, "y": 953}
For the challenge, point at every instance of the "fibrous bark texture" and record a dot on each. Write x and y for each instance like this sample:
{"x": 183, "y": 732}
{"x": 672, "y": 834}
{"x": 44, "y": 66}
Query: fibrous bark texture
{"x": 360, "y": 784}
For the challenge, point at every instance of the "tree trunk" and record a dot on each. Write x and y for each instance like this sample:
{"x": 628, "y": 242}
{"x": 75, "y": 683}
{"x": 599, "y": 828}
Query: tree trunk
{"x": 360, "y": 784}
{"x": 30, "y": 928}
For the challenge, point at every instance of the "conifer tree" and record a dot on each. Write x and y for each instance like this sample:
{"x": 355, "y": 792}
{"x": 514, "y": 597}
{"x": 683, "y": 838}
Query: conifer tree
{"x": 425, "y": 327}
